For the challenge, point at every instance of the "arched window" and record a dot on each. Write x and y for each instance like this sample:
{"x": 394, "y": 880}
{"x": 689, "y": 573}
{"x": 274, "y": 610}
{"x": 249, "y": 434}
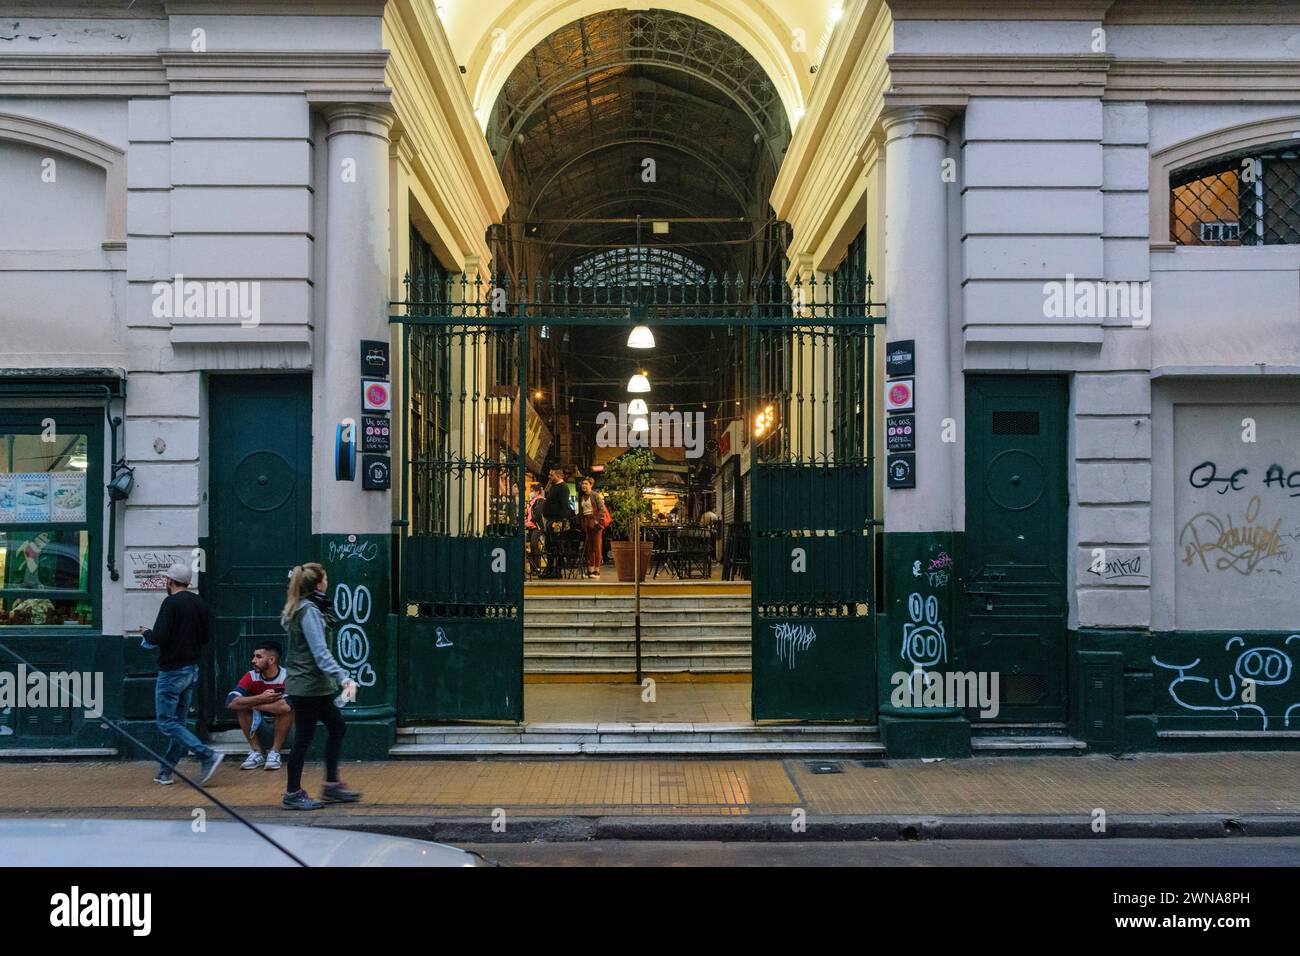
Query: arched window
{"x": 638, "y": 266}
{"x": 1249, "y": 198}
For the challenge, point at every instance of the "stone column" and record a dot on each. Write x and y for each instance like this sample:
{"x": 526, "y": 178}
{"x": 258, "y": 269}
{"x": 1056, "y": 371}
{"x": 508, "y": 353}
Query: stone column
{"x": 920, "y": 554}
{"x": 353, "y": 526}
{"x": 356, "y": 301}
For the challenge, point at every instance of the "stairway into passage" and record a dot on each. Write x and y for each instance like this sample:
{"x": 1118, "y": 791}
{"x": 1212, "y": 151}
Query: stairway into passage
{"x": 596, "y": 633}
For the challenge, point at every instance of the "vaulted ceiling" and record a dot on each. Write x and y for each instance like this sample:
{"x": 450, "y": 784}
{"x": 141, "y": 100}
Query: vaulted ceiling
{"x": 580, "y": 116}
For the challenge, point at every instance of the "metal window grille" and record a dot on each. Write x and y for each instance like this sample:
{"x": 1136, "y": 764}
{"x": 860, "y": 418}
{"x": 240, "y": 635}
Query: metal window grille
{"x": 1245, "y": 199}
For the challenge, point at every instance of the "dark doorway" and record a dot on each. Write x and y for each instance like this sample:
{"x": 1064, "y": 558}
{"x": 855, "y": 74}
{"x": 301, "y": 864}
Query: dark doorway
{"x": 259, "y": 518}
{"x": 1016, "y": 504}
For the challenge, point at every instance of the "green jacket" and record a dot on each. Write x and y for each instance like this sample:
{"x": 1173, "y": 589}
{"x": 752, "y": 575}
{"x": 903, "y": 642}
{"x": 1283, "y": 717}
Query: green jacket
{"x": 310, "y": 667}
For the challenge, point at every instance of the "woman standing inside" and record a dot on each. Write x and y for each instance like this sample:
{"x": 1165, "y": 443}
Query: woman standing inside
{"x": 312, "y": 679}
{"x": 533, "y": 521}
{"x": 591, "y": 507}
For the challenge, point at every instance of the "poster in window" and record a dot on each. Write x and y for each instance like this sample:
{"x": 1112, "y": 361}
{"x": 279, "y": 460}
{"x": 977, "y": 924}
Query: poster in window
{"x": 68, "y": 496}
{"x": 8, "y": 497}
{"x": 31, "y": 497}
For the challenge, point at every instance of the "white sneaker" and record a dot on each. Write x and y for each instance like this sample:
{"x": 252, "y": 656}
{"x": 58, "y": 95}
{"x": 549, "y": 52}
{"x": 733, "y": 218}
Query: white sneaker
{"x": 273, "y": 760}
{"x": 255, "y": 760}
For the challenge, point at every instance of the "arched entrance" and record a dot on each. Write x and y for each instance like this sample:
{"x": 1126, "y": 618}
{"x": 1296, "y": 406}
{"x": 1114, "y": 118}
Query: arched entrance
{"x": 638, "y": 150}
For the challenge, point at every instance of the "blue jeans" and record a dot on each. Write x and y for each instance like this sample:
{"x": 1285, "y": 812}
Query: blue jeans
{"x": 172, "y": 695}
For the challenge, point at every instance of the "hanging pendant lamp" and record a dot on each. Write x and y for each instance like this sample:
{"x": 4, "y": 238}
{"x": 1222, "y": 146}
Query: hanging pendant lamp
{"x": 638, "y": 383}
{"x": 637, "y": 407}
{"x": 641, "y": 338}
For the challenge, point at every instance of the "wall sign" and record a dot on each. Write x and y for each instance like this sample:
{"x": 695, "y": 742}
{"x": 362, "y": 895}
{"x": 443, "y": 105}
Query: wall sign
{"x": 900, "y": 433}
{"x": 345, "y": 447}
{"x": 374, "y": 472}
{"x": 147, "y": 570}
{"x": 374, "y": 433}
{"x": 374, "y": 359}
{"x": 900, "y": 472}
{"x": 900, "y": 357}
{"x": 898, "y": 395}
{"x": 375, "y": 396}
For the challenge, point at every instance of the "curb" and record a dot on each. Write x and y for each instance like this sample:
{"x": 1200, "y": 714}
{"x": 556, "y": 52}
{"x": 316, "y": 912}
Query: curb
{"x": 775, "y": 829}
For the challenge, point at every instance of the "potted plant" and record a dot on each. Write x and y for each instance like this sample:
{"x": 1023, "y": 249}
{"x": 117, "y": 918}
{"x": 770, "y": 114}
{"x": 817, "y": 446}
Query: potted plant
{"x": 623, "y": 487}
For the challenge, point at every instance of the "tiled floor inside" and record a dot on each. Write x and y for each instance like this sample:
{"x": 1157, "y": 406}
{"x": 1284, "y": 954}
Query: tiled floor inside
{"x": 672, "y": 702}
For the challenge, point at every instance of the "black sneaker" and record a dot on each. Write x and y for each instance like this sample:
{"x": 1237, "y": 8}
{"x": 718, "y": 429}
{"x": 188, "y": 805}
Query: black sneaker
{"x": 338, "y": 793}
{"x": 299, "y": 800}
{"x": 209, "y": 767}
{"x": 164, "y": 778}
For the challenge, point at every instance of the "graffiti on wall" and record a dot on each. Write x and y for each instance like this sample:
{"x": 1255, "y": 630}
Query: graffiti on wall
{"x": 353, "y": 606}
{"x": 1242, "y": 542}
{"x": 791, "y": 640}
{"x": 924, "y": 642}
{"x": 1257, "y": 684}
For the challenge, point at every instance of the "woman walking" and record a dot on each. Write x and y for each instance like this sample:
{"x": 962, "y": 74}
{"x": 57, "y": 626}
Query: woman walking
{"x": 312, "y": 680}
{"x": 591, "y": 507}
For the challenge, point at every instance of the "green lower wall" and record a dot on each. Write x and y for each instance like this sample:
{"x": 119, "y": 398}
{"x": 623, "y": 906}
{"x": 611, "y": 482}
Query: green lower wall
{"x": 1128, "y": 690}
{"x": 1183, "y": 690}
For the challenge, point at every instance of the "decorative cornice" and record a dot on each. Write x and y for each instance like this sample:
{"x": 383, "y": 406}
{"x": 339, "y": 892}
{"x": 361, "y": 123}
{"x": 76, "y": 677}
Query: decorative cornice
{"x": 1198, "y": 12}
{"x": 928, "y": 77}
{"x": 282, "y": 8}
{"x": 1185, "y": 81}
{"x": 1001, "y": 10}
{"x": 346, "y": 72}
{"x": 81, "y": 74}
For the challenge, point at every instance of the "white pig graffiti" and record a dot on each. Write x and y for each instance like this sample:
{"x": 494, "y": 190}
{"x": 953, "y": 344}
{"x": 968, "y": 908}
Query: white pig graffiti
{"x": 1265, "y": 666}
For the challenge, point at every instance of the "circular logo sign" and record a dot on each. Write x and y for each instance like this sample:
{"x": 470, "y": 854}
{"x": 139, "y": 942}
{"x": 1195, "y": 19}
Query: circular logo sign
{"x": 898, "y": 394}
{"x": 377, "y": 393}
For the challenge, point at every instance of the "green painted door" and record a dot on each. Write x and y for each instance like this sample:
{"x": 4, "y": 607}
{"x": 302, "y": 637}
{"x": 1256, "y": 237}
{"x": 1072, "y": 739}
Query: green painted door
{"x": 259, "y": 513}
{"x": 1016, "y": 504}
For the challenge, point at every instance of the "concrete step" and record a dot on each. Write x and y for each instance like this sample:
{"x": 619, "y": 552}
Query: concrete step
{"x": 632, "y": 739}
{"x": 994, "y": 744}
{"x": 580, "y": 644}
{"x": 782, "y": 749}
{"x": 57, "y": 753}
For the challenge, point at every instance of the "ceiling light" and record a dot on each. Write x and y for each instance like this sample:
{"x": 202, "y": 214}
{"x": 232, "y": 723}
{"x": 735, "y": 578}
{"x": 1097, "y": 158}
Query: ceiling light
{"x": 660, "y": 228}
{"x": 836, "y": 13}
{"x": 637, "y": 407}
{"x": 640, "y": 424}
{"x": 638, "y": 383}
{"x": 641, "y": 338}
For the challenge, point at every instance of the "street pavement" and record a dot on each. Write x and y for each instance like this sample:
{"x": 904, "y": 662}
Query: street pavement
{"x": 491, "y": 801}
{"x": 1037, "y": 853}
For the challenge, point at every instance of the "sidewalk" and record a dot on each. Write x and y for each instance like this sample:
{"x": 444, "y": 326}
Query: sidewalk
{"x": 992, "y": 797}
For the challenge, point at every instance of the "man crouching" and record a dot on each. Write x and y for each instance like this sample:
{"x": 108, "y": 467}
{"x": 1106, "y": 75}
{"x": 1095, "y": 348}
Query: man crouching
{"x": 260, "y": 695}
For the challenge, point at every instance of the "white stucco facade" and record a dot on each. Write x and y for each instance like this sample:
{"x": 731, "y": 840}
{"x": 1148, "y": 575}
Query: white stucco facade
{"x": 987, "y": 154}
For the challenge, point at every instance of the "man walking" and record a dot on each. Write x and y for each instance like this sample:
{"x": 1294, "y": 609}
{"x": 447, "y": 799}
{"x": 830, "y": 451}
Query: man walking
{"x": 184, "y": 625}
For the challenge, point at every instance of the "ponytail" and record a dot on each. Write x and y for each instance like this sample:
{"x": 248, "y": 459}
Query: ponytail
{"x": 303, "y": 580}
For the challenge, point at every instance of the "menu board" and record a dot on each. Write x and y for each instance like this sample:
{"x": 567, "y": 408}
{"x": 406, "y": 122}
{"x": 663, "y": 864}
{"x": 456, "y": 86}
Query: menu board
{"x": 42, "y": 497}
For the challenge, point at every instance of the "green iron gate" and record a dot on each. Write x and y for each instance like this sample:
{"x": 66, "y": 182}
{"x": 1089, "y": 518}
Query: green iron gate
{"x": 813, "y": 525}
{"x": 809, "y": 432}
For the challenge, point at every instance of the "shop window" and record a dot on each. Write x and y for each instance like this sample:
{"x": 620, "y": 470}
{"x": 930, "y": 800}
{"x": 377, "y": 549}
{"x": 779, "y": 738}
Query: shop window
{"x": 49, "y": 567}
{"x": 1244, "y": 199}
